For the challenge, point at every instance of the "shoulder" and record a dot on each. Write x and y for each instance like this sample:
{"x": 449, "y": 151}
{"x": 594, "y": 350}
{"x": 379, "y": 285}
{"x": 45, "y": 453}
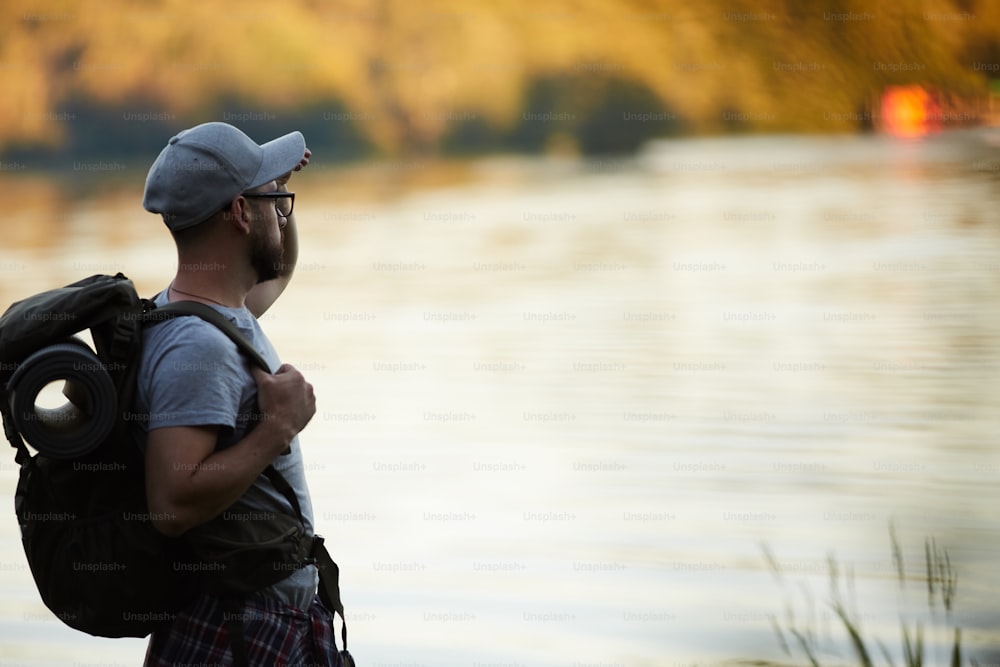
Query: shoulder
{"x": 191, "y": 374}
{"x": 189, "y": 347}
{"x": 187, "y": 331}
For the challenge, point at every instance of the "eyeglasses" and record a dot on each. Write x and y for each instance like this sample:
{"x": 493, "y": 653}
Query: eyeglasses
{"x": 284, "y": 202}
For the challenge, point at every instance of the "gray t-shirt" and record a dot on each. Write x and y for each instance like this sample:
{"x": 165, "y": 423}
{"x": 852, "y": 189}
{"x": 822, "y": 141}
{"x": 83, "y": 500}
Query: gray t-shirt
{"x": 191, "y": 374}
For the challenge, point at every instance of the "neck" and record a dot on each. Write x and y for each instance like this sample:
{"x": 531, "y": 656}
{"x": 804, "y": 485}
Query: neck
{"x": 184, "y": 295}
{"x": 214, "y": 270}
{"x": 192, "y": 287}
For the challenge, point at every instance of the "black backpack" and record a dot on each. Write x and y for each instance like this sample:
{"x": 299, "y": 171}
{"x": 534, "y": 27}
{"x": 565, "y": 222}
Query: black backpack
{"x": 98, "y": 562}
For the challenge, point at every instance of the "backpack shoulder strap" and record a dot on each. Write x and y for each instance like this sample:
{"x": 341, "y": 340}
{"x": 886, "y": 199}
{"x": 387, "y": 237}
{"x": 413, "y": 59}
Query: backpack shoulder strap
{"x": 329, "y": 589}
{"x": 157, "y": 314}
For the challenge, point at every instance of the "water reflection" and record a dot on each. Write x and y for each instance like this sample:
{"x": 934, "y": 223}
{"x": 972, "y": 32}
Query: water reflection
{"x": 563, "y": 404}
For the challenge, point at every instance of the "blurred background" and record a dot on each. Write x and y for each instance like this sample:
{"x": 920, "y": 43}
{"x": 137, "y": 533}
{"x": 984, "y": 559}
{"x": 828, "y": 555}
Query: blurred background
{"x": 626, "y": 319}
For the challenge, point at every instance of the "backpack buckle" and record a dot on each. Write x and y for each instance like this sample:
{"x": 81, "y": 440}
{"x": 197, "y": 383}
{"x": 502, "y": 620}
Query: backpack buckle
{"x": 314, "y": 550}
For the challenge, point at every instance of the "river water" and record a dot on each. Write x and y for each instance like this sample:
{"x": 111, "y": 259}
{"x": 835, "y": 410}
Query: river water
{"x": 568, "y": 407}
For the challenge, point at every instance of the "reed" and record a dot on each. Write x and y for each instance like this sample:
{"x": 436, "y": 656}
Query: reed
{"x": 939, "y": 575}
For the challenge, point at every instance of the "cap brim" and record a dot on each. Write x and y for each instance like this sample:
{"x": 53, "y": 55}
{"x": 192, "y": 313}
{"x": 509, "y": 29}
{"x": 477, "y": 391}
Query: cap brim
{"x": 281, "y": 155}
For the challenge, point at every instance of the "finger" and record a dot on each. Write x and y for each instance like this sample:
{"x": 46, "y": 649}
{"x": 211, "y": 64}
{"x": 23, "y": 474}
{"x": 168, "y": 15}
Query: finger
{"x": 259, "y": 373}
{"x": 304, "y": 162}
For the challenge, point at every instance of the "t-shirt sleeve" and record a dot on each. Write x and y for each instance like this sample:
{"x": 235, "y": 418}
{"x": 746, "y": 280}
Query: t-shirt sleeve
{"x": 196, "y": 379}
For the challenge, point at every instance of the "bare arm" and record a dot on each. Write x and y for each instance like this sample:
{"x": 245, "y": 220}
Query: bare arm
{"x": 263, "y": 295}
{"x": 188, "y": 482}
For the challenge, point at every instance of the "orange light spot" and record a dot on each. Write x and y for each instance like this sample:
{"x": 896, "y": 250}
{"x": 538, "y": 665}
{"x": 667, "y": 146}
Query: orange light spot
{"x": 907, "y": 111}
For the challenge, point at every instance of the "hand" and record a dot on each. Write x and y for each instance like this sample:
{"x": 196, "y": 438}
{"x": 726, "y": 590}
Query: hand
{"x": 286, "y": 402}
{"x": 282, "y": 180}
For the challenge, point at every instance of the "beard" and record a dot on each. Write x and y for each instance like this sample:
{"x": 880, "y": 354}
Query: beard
{"x": 265, "y": 256}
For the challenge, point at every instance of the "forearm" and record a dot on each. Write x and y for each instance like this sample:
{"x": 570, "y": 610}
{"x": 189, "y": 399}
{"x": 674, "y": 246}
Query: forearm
{"x": 195, "y": 488}
{"x": 264, "y": 294}
{"x": 290, "y": 245}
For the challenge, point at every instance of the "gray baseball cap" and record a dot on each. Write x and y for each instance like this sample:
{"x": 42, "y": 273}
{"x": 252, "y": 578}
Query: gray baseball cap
{"x": 207, "y": 166}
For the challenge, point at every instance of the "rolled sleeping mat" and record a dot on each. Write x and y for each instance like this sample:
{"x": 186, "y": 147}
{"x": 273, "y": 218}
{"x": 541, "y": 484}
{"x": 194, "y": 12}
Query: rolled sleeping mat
{"x": 84, "y": 421}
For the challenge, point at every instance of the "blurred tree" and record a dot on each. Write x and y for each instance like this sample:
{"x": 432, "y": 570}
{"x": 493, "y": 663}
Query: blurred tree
{"x": 407, "y": 77}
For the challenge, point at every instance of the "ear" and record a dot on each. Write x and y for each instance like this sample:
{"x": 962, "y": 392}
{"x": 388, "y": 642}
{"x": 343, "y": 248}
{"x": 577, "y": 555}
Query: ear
{"x": 238, "y": 214}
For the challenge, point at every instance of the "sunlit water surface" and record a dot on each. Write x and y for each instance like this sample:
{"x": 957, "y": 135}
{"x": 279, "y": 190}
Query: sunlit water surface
{"x": 566, "y": 407}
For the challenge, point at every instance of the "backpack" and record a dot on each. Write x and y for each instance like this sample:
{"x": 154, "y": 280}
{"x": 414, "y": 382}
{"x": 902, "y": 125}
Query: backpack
{"x": 97, "y": 561}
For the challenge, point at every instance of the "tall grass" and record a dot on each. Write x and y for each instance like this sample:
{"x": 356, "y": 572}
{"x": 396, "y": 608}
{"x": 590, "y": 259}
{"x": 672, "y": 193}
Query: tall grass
{"x": 799, "y": 632}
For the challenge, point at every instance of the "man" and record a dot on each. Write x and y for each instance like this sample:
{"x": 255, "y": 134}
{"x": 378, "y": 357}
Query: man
{"x": 216, "y": 422}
